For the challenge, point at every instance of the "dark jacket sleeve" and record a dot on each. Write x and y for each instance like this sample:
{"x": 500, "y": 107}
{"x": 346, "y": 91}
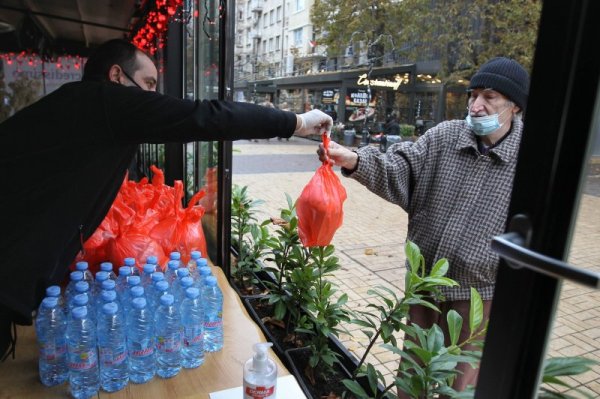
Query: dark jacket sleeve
{"x": 139, "y": 116}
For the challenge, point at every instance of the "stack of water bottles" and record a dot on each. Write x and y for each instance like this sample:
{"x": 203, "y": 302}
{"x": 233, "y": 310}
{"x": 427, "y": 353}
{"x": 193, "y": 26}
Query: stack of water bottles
{"x": 107, "y": 331}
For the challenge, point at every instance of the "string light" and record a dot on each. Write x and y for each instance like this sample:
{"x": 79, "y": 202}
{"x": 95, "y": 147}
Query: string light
{"x": 34, "y": 60}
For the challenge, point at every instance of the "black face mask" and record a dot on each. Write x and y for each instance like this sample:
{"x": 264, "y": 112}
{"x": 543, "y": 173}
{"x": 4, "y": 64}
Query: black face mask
{"x": 130, "y": 78}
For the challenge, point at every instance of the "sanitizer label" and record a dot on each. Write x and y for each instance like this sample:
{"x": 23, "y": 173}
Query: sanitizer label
{"x": 259, "y": 392}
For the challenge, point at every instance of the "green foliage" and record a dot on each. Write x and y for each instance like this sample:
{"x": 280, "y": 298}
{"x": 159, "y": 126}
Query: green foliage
{"x": 428, "y": 367}
{"x": 406, "y": 130}
{"x": 248, "y": 238}
{"x": 560, "y": 367}
{"x": 462, "y": 34}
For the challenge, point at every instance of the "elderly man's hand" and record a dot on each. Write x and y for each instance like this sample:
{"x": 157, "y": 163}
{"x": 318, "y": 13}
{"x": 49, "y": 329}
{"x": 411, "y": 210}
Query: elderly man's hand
{"x": 338, "y": 155}
{"x": 313, "y": 122}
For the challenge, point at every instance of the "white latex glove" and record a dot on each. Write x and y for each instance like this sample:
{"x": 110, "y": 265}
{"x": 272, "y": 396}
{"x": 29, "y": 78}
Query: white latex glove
{"x": 314, "y": 122}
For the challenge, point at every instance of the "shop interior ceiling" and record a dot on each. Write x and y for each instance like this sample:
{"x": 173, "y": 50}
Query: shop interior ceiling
{"x": 53, "y": 27}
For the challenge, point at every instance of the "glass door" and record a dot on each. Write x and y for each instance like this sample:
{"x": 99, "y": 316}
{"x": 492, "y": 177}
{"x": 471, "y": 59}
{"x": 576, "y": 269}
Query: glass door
{"x": 549, "y": 193}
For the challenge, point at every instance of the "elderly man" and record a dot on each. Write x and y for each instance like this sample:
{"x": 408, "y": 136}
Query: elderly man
{"x": 455, "y": 184}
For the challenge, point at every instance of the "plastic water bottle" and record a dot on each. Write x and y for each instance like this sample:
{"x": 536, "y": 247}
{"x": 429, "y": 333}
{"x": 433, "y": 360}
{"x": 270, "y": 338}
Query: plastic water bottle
{"x": 184, "y": 284}
{"x": 213, "y": 315}
{"x": 124, "y": 274}
{"x": 147, "y": 274}
{"x": 153, "y": 260}
{"x": 53, "y": 291}
{"x": 130, "y": 262}
{"x": 157, "y": 276}
{"x": 133, "y": 281}
{"x": 84, "y": 379}
{"x": 97, "y": 287}
{"x": 87, "y": 274}
{"x": 171, "y": 273}
{"x": 50, "y": 328}
{"x": 112, "y": 348}
{"x": 108, "y": 267}
{"x": 75, "y": 277}
{"x": 140, "y": 342}
{"x": 106, "y": 296}
{"x": 192, "y": 321}
{"x": 168, "y": 338}
{"x": 193, "y": 264}
{"x": 176, "y": 289}
{"x": 83, "y": 299}
{"x": 203, "y": 272}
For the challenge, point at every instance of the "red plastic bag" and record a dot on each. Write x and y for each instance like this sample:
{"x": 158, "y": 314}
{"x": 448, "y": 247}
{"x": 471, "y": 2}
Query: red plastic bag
{"x": 182, "y": 230}
{"x": 320, "y": 206}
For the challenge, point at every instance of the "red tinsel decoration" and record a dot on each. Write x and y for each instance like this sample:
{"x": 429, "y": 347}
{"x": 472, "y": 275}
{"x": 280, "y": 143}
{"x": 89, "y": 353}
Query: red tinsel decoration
{"x": 151, "y": 36}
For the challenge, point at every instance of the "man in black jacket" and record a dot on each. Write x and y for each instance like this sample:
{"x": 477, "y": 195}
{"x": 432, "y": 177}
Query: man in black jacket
{"x": 64, "y": 158}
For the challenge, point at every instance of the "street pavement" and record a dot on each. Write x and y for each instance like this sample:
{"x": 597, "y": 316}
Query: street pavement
{"x": 370, "y": 248}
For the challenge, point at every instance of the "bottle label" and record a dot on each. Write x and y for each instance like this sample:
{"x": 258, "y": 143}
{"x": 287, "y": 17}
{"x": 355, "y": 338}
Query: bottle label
{"x": 192, "y": 335}
{"x": 252, "y": 391}
{"x": 212, "y": 324}
{"x": 112, "y": 356}
{"x": 83, "y": 360}
{"x": 52, "y": 350}
{"x": 142, "y": 351}
{"x": 171, "y": 343}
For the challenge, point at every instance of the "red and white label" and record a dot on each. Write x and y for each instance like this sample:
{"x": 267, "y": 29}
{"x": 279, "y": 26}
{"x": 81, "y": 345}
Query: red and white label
{"x": 259, "y": 392}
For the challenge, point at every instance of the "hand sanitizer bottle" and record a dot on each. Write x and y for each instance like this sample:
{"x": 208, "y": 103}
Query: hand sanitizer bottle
{"x": 260, "y": 374}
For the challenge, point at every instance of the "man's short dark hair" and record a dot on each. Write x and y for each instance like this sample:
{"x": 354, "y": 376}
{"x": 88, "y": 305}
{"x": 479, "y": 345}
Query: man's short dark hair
{"x": 109, "y": 53}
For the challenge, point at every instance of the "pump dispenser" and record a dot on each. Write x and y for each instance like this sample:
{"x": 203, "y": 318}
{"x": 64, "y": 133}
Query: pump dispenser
{"x": 260, "y": 374}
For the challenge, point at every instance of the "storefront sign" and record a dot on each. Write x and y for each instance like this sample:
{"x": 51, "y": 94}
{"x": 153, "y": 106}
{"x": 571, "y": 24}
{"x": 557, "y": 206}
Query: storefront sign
{"x": 329, "y": 96}
{"x": 394, "y": 84}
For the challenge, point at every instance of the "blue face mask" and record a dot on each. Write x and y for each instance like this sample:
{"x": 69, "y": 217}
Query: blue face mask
{"x": 484, "y": 125}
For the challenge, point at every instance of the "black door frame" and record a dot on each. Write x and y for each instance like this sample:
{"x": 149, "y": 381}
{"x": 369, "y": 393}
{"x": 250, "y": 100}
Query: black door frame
{"x": 556, "y": 140}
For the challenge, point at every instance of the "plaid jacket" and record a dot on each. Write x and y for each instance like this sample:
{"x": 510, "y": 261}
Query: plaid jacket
{"x": 457, "y": 199}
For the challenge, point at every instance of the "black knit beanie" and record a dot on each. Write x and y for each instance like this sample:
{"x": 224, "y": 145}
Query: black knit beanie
{"x": 505, "y": 76}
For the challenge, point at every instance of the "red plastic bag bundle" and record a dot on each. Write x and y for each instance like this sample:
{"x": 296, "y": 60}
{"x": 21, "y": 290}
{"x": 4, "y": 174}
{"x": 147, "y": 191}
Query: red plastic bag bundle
{"x": 320, "y": 206}
{"x": 146, "y": 219}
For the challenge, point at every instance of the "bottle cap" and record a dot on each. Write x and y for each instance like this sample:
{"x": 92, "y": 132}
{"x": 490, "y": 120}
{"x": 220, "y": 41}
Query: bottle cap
{"x": 173, "y": 264}
{"x": 110, "y": 308}
{"x": 49, "y": 302}
{"x": 166, "y": 300}
{"x": 157, "y": 276}
{"x": 76, "y": 276}
{"x": 81, "y": 266}
{"x": 153, "y": 260}
{"x": 101, "y": 276}
{"x": 138, "y": 303}
{"x": 108, "y": 285}
{"x": 186, "y": 282}
{"x": 129, "y": 262}
{"x": 204, "y": 271}
{"x": 149, "y": 268}
{"x": 161, "y": 285}
{"x": 106, "y": 267}
{"x": 82, "y": 286}
{"x": 136, "y": 291}
{"x": 79, "y": 312}
{"x": 175, "y": 255}
{"x": 182, "y": 272}
{"x": 195, "y": 254}
{"x": 108, "y": 295}
{"x": 133, "y": 281}
{"x": 53, "y": 290}
{"x": 211, "y": 281}
{"x": 202, "y": 262}
{"x": 80, "y": 300}
{"x": 260, "y": 359}
{"x": 192, "y": 292}
{"x": 124, "y": 271}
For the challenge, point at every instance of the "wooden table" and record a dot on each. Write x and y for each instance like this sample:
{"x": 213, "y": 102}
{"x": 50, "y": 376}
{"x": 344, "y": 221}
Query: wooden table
{"x": 221, "y": 370}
